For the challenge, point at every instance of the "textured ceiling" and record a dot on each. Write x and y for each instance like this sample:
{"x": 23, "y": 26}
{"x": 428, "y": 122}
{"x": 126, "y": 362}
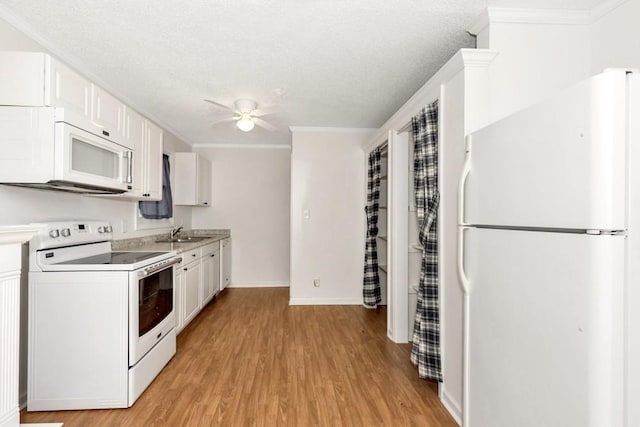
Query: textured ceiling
{"x": 332, "y": 63}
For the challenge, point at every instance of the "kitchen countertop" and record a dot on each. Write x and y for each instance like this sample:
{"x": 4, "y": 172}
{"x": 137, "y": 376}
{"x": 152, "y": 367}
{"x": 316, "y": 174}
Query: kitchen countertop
{"x": 148, "y": 243}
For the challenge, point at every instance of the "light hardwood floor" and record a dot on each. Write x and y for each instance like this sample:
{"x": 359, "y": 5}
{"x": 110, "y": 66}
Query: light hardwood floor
{"x": 250, "y": 359}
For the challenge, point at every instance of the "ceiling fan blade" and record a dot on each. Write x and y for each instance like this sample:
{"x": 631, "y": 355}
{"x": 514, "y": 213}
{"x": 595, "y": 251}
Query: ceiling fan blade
{"x": 227, "y": 120}
{"x": 263, "y": 124}
{"x": 217, "y": 104}
{"x": 269, "y": 109}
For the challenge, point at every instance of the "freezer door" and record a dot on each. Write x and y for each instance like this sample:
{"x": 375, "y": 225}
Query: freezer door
{"x": 544, "y": 329}
{"x": 558, "y": 164}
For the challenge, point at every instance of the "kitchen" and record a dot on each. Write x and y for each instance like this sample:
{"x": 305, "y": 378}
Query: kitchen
{"x": 607, "y": 46}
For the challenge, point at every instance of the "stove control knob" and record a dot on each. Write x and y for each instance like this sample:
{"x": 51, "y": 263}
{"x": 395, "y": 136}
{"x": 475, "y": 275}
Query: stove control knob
{"x": 54, "y": 233}
{"x": 65, "y": 232}
{"x": 108, "y": 229}
{"x": 102, "y": 229}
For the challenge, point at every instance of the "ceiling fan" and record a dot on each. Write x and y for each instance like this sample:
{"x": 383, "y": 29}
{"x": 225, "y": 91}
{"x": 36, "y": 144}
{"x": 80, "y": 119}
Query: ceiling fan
{"x": 246, "y": 115}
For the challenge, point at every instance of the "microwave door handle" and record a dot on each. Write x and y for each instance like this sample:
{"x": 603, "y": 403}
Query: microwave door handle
{"x": 129, "y": 156}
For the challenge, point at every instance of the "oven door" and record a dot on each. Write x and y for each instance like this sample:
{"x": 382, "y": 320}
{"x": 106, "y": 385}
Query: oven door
{"x": 151, "y": 309}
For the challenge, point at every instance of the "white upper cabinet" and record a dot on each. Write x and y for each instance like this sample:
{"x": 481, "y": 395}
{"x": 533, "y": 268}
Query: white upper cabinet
{"x": 67, "y": 90}
{"x": 193, "y": 180}
{"x": 153, "y": 156}
{"x": 37, "y": 79}
{"x": 146, "y": 139}
{"x": 108, "y": 114}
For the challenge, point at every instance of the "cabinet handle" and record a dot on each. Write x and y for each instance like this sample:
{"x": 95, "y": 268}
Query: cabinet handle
{"x": 105, "y": 133}
{"x": 206, "y": 203}
{"x": 212, "y": 256}
{"x": 185, "y": 269}
{"x": 193, "y": 255}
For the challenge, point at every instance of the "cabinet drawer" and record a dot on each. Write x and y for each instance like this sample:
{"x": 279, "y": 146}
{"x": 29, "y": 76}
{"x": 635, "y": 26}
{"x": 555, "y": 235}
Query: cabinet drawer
{"x": 190, "y": 256}
{"x": 210, "y": 248}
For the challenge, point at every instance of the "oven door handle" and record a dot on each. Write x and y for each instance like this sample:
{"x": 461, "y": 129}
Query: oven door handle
{"x": 148, "y": 271}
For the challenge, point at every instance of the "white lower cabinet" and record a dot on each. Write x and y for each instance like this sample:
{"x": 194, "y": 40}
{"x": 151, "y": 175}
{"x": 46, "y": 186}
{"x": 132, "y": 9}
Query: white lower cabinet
{"x": 210, "y": 274}
{"x": 178, "y": 292}
{"x": 225, "y": 263}
{"x": 191, "y": 291}
{"x": 196, "y": 281}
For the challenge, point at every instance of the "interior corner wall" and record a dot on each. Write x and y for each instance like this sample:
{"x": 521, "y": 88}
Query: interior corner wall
{"x": 534, "y": 61}
{"x": 614, "y": 38}
{"x": 327, "y": 181}
{"x": 250, "y": 196}
{"x": 12, "y": 39}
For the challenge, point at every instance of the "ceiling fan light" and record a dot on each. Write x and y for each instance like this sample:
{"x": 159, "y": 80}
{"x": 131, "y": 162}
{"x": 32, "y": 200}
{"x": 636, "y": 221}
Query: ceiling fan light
{"x": 245, "y": 124}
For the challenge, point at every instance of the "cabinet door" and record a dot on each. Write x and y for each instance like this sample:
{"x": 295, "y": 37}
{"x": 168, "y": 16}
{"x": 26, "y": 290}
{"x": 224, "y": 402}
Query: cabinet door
{"x": 108, "y": 113}
{"x": 191, "y": 285}
{"x": 215, "y": 283}
{"x": 207, "y": 278}
{"x": 178, "y": 295}
{"x": 204, "y": 182}
{"x": 225, "y": 267}
{"x": 138, "y": 137}
{"x": 68, "y": 90}
{"x": 153, "y": 186}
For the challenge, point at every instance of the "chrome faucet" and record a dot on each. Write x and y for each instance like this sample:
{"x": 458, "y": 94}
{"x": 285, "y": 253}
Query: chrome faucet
{"x": 175, "y": 232}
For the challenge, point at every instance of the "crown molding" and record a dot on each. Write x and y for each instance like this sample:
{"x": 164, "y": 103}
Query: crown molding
{"x": 316, "y": 129}
{"x": 499, "y": 15}
{"x": 542, "y": 16}
{"x": 246, "y": 146}
{"x": 80, "y": 67}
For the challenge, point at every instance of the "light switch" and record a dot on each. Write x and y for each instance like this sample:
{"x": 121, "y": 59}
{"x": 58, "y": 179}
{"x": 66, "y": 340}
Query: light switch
{"x": 306, "y": 214}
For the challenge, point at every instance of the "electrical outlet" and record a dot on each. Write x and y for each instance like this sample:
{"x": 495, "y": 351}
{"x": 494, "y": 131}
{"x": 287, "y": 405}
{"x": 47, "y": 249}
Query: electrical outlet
{"x": 316, "y": 283}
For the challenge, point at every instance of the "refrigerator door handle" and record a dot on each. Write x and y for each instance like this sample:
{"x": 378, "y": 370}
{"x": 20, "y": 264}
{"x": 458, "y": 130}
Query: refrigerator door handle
{"x": 464, "y": 281}
{"x": 466, "y": 168}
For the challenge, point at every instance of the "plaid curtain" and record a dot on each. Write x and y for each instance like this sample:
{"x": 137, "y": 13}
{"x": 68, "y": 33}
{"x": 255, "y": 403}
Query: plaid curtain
{"x": 425, "y": 353}
{"x": 371, "y": 281}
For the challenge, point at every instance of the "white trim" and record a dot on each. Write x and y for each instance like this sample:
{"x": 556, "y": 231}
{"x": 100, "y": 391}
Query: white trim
{"x": 430, "y": 91}
{"x": 43, "y": 425}
{"x": 603, "y": 9}
{"x": 325, "y": 301}
{"x": 254, "y": 146}
{"x": 17, "y": 233}
{"x": 268, "y": 284}
{"x": 330, "y": 129}
{"x": 79, "y": 66}
{"x": 450, "y": 404}
{"x": 504, "y": 15}
{"x": 501, "y": 15}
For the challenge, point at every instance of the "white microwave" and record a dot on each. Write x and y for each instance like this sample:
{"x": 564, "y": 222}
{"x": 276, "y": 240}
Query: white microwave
{"x": 36, "y": 151}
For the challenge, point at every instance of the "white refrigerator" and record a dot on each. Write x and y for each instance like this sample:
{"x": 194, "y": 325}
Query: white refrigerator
{"x": 549, "y": 260}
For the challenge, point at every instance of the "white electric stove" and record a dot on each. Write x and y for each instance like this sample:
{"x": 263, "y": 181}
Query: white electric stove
{"x": 101, "y": 323}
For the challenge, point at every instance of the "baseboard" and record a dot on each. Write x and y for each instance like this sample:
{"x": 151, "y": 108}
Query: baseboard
{"x": 451, "y": 405}
{"x": 259, "y": 285}
{"x": 325, "y": 301}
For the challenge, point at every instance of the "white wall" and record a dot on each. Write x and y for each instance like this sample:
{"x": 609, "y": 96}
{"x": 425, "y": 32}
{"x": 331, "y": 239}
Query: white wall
{"x": 615, "y": 42}
{"x": 12, "y": 39}
{"x": 327, "y": 180}
{"x": 534, "y": 61}
{"x": 251, "y": 197}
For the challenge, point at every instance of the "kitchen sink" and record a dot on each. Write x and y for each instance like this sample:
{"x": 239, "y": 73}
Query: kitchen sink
{"x": 181, "y": 240}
